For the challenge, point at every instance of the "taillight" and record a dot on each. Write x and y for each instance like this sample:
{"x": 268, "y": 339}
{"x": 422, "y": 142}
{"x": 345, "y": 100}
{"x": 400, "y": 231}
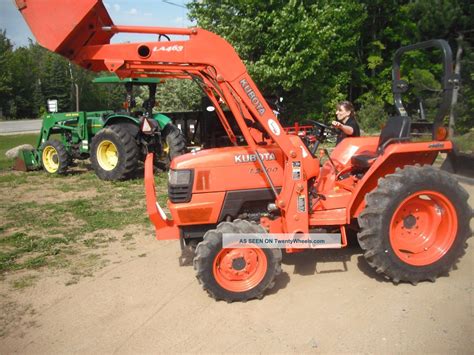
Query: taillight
{"x": 441, "y": 133}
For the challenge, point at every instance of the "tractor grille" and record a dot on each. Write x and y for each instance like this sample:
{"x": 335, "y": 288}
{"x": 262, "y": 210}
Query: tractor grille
{"x": 179, "y": 193}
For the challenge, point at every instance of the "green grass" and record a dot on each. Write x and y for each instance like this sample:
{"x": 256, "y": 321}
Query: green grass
{"x": 17, "y": 248}
{"x": 8, "y": 142}
{"x": 69, "y": 220}
{"x": 57, "y": 232}
{"x": 98, "y": 240}
{"x": 24, "y": 282}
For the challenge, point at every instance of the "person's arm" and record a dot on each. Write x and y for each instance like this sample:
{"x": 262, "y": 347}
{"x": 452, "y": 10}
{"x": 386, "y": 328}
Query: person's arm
{"x": 348, "y": 130}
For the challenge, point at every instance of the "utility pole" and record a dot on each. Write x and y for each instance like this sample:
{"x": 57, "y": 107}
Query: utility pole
{"x": 76, "y": 87}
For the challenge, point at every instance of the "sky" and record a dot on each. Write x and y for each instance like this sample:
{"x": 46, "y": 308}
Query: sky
{"x": 162, "y": 13}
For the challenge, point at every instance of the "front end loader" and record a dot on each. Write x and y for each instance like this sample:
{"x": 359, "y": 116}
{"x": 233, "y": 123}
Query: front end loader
{"x": 412, "y": 219}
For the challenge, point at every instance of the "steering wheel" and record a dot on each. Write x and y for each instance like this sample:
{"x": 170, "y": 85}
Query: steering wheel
{"x": 323, "y": 132}
{"x": 319, "y": 124}
{"x": 322, "y": 126}
{"x": 322, "y": 129}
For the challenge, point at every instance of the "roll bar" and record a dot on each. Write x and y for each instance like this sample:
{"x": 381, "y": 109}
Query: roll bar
{"x": 449, "y": 80}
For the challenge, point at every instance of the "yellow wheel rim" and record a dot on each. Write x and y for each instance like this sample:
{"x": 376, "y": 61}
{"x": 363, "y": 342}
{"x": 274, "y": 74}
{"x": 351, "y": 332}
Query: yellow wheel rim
{"x": 166, "y": 148}
{"x": 107, "y": 155}
{"x": 50, "y": 159}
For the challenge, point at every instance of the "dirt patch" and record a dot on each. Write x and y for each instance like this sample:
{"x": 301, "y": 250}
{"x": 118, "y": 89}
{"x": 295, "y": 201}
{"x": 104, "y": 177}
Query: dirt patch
{"x": 40, "y": 190}
{"x": 48, "y": 195}
{"x": 44, "y": 189}
{"x": 23, "y": 293}
{"x": 15, "y": 315}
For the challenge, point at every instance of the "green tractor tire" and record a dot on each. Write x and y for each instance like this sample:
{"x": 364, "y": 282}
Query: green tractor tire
{"x": 114, "y": 153}
{"x": 54, "y": 157}
{"x": 174, "y": 142}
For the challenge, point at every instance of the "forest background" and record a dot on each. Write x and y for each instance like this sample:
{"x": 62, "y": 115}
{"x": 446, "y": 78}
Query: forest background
{"x": 311, "y": 53}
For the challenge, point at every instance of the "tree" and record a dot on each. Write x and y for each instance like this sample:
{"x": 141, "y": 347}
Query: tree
{"x": 23, "y": 82}
{"x": 6, "y": 49}
{"x": 304, "y": 51}
{"x": 176, "y": 95}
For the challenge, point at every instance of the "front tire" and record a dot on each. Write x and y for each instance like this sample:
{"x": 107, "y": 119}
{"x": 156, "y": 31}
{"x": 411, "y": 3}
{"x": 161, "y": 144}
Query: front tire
{"x": 114, "y": 153}
{"x": 235, "y": 274}
{"x": 54, "y": 157}
{"x": 415, "y": 224}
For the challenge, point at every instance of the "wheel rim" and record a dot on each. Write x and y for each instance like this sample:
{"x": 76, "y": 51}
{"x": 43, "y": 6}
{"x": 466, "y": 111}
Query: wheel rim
{"x": 107, "y": 155}
{"x": 166, "y": 148}
{"x": 50, "y": 159}
{"x": 240, "y": 269}
{"x": 423, "y": 228}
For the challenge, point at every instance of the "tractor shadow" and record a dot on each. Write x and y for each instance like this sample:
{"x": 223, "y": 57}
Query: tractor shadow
{"x": 322, "y": 261}
{"x": 327, "y": 261}
{"x": 79, "y": 168}
{"x": 364, "y": 266}
{"x": 186, "y": 257}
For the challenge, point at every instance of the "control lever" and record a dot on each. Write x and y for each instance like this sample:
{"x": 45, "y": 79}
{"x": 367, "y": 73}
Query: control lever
{"x": 330, "y": 160}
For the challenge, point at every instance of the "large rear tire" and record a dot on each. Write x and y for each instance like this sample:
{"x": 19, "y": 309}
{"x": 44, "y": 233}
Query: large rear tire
{"x": 415, "y": 224}
{"x": 114, "y": 153}
{"x": 54, "y": 157}
{"x": 235, "y": 274}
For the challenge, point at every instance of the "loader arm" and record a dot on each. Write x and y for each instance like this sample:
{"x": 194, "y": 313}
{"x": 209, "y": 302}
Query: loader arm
{"x": 83, "y": 32}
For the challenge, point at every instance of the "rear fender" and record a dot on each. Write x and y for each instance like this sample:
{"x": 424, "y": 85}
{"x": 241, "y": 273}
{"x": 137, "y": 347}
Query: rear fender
{"x": 395, "y": 156}
{"x": 111, "y": 119}
{"x": 162, "y": 120}
{"x": 132, "y": 123}
{"x": 135, "y": 122}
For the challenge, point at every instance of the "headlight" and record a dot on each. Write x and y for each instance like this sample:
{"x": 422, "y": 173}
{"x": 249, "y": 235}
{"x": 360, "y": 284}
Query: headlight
{"x": 180, "y": 177}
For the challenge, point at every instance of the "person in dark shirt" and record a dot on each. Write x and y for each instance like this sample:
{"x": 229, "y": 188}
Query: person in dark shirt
{"x": 346, "y": 123}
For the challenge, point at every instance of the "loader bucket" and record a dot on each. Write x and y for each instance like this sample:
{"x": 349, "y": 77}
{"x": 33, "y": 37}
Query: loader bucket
{"x": 26, "y": 161}
{"x": 66, "y": 26}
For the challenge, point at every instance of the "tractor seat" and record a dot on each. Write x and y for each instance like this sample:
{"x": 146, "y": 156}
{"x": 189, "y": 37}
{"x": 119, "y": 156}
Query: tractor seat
{"x": 364, "y": 160}
{"x": 396, "y": 129}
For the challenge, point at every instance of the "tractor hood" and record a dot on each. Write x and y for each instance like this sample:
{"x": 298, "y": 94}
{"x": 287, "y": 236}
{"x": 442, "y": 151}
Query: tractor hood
{"x": 232, "y": 168}
{"x": 227, "y": 157}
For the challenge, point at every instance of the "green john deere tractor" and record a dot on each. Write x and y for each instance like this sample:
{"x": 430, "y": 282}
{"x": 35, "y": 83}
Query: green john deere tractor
{"x": 112, "y": 140}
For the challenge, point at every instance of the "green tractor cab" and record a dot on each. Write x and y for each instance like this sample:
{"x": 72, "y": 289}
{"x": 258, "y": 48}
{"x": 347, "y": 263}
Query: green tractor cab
{"x": 112, "y": 140}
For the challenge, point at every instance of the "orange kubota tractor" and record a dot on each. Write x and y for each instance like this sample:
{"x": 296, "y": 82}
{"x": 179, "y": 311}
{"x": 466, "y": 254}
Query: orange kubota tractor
{"x": 412, "y": 219}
